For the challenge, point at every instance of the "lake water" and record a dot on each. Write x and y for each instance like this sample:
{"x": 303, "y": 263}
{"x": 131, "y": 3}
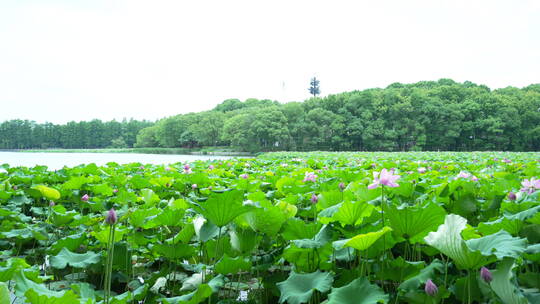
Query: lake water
{"x": 58, "y": 160}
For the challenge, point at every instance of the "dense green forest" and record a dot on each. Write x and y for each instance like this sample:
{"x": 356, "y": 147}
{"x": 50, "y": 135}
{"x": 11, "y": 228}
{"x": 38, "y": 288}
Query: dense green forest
{"x": 428, "y": 115}
{"x": 24, "y": 134}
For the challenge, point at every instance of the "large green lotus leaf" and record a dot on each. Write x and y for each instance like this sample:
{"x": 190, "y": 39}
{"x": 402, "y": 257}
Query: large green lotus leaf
{"x": 37, "y": 293}
{"x": 48, "y": 193}
{"x": 84, "y": 290}
{"x": 5, "y": 297}
{"x": 512, "y": 223}
{"x": 13, "y": 266}
{"x": 102, "y": 190}
{"x": 75, "y": 182}
{"x": 500, "y": 244}
{"x": 320, "y": 239}
{"x": 61, "y": 217}
{"x": 201, "y": 294}
{"x": 175, "y": 251}
{"x": 364, "y": 241}
{"x": 352, "y": 213}
{"x": 34, "y": 297}
{"x": 359, "y": 291}
{"x": 413, "y": 223}
{"x": 267, "y": 220}
{"x": 140, "y": 217}
{"x": 228, "y": 265}
{"x": 414, "y": 282}
{"x": 296, "y": 228}
{"x": 169, "y": 217}
{"x": 398, "y": 269}
{"x": 70, "y": 242}
{"x": 103, "y": 235}
{"x": 77, "y": 260}
{"x": 329, "y": 198}
{"x": 309, "y": 260}
{"x": 504, "y": 284}
{"x": 298, "y": 288}
{"x": 185, "y": 235}
{"x": 447, "y": 239}
{"x": 244, "y": 240}
{"x": 222, "y": 208}
{"x": 204, "y": 230}
{"x": 149, "y": 197}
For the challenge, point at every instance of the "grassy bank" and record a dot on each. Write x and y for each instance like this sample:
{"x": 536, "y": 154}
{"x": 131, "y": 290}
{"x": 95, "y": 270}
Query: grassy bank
{"x": 196, "y": 151}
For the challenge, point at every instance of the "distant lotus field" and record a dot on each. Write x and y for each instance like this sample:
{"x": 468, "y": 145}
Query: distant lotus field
{"x": 334, "y": 228}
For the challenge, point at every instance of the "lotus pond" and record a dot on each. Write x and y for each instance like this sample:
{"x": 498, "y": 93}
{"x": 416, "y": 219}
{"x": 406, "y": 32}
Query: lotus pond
{"x": 281, "y": 228}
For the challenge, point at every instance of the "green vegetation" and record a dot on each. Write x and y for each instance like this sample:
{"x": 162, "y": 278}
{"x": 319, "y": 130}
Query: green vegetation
{"x": 95, "y": 134}
{"x": 425, "y": 116}
{"x": 334, "y": 228}
{"x": 203, "y": 150}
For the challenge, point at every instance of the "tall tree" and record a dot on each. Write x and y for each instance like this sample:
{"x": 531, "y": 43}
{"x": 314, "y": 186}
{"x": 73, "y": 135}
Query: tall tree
{"x": 314, "y": 88}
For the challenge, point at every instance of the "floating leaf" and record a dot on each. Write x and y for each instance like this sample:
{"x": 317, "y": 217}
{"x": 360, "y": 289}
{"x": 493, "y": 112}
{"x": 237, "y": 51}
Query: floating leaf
{"x": 298, "y": 288}
{"x": 364, "y": 241}
{"x": 359, "y": 291}
{"x": 77, "y": 260}
{"x": 447, "y": 239}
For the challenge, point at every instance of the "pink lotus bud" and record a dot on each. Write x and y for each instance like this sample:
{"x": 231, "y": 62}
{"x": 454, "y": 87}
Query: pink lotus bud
{"x": 186, "y": 167}
{"x": 168, "y": 169}
{"x": 341, "y": 186}
{"x": 141, "y": 167}
{"x": 15, "y": 187}
{"x": 194, "y": 186}
{"x": 244, "y": 176}
{"x": 115, "y": 190}
{"x": 111, "y": 218}
{"x": 211, "y": 167}
{"x": 474, "y": 178}
{"x": 422, "y": 170}
{"x": 167, "y": 185}
{"x": 430, "y": 288}
{"x": 85, "y": 198}
{"x": 512, "y": 196}
{"x": 485, "y": 274}
{"x": 314, "y": 198}
{"x": 51, "y": 204}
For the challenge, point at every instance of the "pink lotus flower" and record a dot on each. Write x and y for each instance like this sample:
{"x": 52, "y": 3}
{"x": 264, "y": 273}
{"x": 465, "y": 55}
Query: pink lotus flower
{"x": 310, "y": 176}
{"x": 211, "y": 167}
{"x": 430, "y": 288}
{"x": 506, "y": 160}
{"x": 187, "y": 169}
{"x": 115, "y": 191}
{"x": 85, "y": 198}
{"x": 385, "y": 178}
{"x": 463, "y": 174}
{"x": 530, "y": 185}
{"x": 341, "y": 186}
{"x": 51, "y": 204}
{"x": 194, "y": 186}
{"x": 244, "y": 176}
{"x": 314, "y": 198}
{"x": 486, "y": 275}
{"x": 422, "y": 170}
{"x": 474, "y": 178}
{"x": 111, "y": 218}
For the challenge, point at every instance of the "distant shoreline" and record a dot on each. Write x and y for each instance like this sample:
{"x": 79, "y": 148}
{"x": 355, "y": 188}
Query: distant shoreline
{"x": 171, "y": 151}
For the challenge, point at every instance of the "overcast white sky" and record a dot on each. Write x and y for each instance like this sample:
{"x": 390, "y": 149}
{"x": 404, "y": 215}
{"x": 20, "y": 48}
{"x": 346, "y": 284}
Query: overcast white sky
{"x": 63, "y": 60}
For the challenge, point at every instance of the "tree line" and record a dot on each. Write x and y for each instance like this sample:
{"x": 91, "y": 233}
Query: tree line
{"x": 428, "y": 115}
{"x": 25, "y": 134}
{"x": 424, "y": 116}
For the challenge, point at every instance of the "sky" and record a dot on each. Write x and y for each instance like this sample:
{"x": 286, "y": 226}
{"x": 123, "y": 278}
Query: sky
{"x": 64, "y": 60}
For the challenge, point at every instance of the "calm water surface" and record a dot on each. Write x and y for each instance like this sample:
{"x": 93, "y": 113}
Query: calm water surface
{"x": 58, "y": 160}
